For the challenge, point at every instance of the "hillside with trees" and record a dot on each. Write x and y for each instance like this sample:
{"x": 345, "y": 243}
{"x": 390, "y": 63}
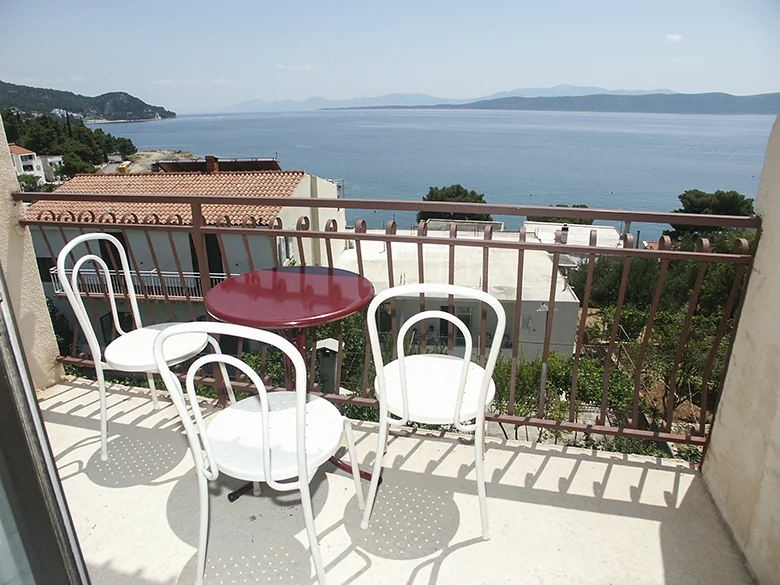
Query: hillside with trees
{"x": 116, "y": 105}
{"x": 80, "y": 147}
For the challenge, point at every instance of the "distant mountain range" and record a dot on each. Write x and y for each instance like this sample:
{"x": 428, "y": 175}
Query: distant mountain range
{"x": 419, "y": 99}
{"x": 678, "y": 103}
{"x": 108, "y": 106}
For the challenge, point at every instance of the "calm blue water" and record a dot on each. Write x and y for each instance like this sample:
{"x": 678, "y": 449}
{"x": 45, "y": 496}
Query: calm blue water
{"x": 616, "y": 161}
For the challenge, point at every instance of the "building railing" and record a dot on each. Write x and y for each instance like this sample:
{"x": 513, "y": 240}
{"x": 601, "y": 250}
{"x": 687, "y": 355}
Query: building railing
{"x": 175, "y": 286}
{"x": 691, "y": 361}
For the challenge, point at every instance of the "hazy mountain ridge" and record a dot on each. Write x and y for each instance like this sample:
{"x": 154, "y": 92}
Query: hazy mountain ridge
{"x": 678, "y": 103}
{"x": 116, "y": 105}
{"x": 419, "y": 99}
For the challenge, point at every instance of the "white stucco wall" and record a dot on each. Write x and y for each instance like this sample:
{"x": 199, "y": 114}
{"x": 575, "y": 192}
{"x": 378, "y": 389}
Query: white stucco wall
{"x": 311, "y": 187}
{"x": 742, "y": 468}
{"x": 17, "y": 258}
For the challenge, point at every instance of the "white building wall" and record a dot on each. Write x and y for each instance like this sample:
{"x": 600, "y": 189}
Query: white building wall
{"x": 742, "y": 468}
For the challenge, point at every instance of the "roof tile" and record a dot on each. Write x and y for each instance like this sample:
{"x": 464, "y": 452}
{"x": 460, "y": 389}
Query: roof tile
{"x": 248, "y": 183}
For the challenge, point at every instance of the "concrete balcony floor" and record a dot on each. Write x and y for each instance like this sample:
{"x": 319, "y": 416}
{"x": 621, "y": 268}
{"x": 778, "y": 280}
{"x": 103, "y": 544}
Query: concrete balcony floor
{"x": 557, "y": 515}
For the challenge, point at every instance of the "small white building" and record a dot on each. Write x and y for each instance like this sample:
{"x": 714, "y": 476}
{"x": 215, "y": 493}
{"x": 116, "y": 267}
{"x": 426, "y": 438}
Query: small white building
{"x": 26, "y": 162}
{"x": 502, "y": 284}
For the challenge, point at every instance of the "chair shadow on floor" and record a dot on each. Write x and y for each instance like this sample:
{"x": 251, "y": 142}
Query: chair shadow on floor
{"x": 256, "y": 539}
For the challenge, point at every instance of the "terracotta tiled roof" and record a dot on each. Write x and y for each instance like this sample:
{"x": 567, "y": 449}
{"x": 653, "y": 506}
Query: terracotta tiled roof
{"x": 18, "y": 149}
{"x": 257, "y": 184}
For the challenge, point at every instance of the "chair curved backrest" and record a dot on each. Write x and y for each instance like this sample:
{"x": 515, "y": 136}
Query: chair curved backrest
{"x": 413, "y": 290}
{"x": 71, "y": 286}
{"x": 200, "y": 446}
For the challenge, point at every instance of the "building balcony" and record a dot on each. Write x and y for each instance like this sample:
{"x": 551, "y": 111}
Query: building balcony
{"x": 557, "y": 514}
{"x": 150, "y": 285}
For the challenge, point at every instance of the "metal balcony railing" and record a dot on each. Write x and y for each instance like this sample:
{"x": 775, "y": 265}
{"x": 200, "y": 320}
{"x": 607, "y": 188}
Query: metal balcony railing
{"x": 691, "y": 367}
{"x": 174, "y": 286}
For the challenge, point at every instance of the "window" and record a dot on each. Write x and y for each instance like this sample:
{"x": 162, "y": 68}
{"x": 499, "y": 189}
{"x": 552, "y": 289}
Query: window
{"x": 526, "y": 322}
{"x": 27, "y": 168}
{"x": 44, "y": 268}
{"x": 126, "y": 322}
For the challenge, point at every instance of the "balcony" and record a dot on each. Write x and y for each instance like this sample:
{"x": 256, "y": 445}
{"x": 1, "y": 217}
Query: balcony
{"x": 151, "y": 284}
{"x": 558, "y": 514}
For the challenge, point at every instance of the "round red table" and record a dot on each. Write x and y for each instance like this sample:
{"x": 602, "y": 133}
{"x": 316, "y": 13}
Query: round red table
{"x": 292, "y": 297}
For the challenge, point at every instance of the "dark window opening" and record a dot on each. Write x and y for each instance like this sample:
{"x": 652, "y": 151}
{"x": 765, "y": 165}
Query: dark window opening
{"x": 213, "y": 255}
{"x": 44, "y": 268}
{"x": 109, "y": 253}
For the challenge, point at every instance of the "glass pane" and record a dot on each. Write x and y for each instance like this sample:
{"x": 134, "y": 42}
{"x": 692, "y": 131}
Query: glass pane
{"x": 14, "y": 568}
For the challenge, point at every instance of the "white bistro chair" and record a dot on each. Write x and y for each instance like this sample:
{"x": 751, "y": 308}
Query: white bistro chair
{"x": 434, "y": 388}
{"x": 131, "y": 351}
{"x": 278, "y": 438}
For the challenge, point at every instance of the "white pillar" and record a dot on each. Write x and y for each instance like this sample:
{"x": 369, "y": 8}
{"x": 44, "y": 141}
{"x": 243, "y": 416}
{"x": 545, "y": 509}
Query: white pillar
{"x": 17, "y": 258}
{"x": 742, "y": 468}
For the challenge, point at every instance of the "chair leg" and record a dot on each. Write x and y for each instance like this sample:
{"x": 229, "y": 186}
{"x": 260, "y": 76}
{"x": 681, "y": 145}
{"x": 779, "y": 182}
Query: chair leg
{"x": 203, "y": 528}
{"x": 381, "y": 442}
{"x": 150, "y": 377}
{"x": 479, "y": 465}
{"x": 257, "y": 490}
{"x": 314, "y": 545}
{"x": 103, "y": 413}
{"x": 354, "y": 462}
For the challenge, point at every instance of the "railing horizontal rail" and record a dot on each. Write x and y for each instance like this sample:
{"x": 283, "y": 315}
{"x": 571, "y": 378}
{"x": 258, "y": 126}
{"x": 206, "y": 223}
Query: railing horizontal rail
{"x": 414, "y": 239}
{"x": 745, "y": 222}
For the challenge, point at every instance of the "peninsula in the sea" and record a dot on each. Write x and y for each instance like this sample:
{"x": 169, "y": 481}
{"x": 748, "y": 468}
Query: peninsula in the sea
{"x": 116, "y": 106}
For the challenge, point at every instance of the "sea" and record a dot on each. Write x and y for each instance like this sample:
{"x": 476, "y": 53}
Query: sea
{"x": 638, "y": 162}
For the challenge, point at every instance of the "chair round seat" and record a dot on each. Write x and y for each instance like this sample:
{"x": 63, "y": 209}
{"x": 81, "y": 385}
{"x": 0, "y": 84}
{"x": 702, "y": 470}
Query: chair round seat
{"x": 132, "y": 352}
{"x": 236, "y": 438}
{"x": 432, "y": 388}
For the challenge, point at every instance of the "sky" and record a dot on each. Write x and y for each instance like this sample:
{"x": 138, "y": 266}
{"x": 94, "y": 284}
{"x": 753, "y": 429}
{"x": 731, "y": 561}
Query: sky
{"x": 199, "y": 56}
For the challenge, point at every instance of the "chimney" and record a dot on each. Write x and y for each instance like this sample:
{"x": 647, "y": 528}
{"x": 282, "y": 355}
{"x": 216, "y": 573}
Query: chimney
{"x": 212, "y": 164}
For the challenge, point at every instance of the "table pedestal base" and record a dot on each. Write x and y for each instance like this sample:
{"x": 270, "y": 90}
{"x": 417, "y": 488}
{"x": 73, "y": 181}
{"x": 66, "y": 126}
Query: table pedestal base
{"x": 246, "y": 488}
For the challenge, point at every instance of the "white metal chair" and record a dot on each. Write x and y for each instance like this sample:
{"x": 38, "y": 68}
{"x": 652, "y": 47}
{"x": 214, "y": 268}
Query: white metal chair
{"x": 268, "y": 437}
{"x": 131, "y": 351}
{"x": 434, "y": 388}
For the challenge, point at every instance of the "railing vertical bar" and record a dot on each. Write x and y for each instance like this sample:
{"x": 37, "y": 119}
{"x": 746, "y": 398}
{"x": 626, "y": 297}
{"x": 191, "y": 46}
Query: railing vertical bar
{"x": 223, "y": 253}
{"x": 517, "y": 325}
{"x": 131, "y": 256}
{"x": 548, "y": 326}
{"x": 163, "y": 288}
{"x": 185, "y": 288}
{"x": 390, "y": 230}
{"x": 104, "y": 291}
{"x": 628, "y": 242}
{"x": 740, "y": 247}
{"x": 302, "y": 225}
{"x": 703, "y": 245}
{"x": 484, "y": 310}
{"x": 339, "y": 358}
{"x": 74, "y": 341}
{"x": 727, "y": 311}
{"x": 360, "y": 228}
{"x": 422, "y": 232}
{"x": 451, "y": 280}
{"x": 581, "y": 329}
{"x": 665, "y": 243}
{"x": 330, "y": 226}
{"x": 248, "y": 251}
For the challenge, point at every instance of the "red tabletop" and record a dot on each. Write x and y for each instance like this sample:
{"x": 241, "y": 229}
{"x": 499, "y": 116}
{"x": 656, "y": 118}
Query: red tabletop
{"x": 289, "y": 297}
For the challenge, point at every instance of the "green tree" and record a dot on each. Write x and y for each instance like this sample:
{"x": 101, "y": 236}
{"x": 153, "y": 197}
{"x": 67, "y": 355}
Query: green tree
{"x": 72, "y": 164}
{"x": 28, "y": 183}
{"x": 717, "y": 203}
{"x": 453, "y": 194}
{"x": 569, "y": 220}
